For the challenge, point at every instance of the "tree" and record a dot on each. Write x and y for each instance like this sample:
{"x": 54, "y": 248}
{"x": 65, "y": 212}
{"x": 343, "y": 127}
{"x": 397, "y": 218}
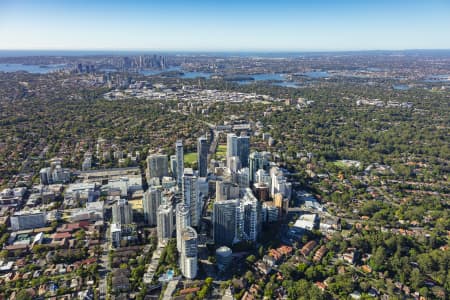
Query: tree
{"x": 416, "y": 279}
{"x": 379, "y": 259}
{"x": 250, "y": 259}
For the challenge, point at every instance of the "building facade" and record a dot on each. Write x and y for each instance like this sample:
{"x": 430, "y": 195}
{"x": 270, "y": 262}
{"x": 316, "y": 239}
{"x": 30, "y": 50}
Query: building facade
{"x": 151, "y": 201}
{"x": 157, "y": 166}
{"x": 225, "y": 221}
{"x": 189, "y": 252}
{"x": 202, "y": 156}
{"x": 164, "y": 219}
{"x": 122, "y": 212}
{"x": 191, "y": 195}
{"x": 182, "y": 220}
{"x": 28, "y": 220}
{"x": 179, "y": 152}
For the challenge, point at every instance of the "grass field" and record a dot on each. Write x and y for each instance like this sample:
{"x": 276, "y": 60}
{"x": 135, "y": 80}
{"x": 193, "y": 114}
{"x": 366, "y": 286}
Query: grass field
{"x": 221, "y": 151}
{"x": 190, "y": 158}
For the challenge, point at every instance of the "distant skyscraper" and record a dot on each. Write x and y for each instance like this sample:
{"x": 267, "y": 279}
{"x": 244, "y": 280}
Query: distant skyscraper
{"x": 225, "y": 222}
{"x": 173, "y": 165}
{"x": 183, "y": 220}
{"x": 250, "y": 216}
{"x": 164, "y": 217}
{"x": 122, "y": 212}
{"x": 191, "y": 195}
{"x": 243, "y": 150}
{"x": 257, "y": 160}
{"x": 180, "y": 162}
{"x": 151, "y": 202}
{"x": 202, "y": 156}
{"x": 238, "y": 146}
{"x": 189, "y": 252}
{"x": 157, "y": 165}
{"x": 232, "y": 149}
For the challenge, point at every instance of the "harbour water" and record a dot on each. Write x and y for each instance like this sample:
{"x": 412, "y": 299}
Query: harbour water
{"x": 29, "y": 68}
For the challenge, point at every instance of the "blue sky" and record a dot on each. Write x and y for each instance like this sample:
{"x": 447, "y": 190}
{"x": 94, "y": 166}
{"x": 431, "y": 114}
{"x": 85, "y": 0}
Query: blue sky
{"x": 278, "y": 25}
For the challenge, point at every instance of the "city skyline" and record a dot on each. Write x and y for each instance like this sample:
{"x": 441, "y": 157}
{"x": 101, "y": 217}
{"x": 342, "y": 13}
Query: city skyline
{"x": 226, "y": 26}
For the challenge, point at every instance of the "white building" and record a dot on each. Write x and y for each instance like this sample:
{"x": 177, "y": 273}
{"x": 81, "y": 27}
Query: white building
{"x": 191, "y": 195}
{"x": 250, "y": 216}
{"x": 306, "y": 222}
{"x": 151, "y": 201}
{"x": 182, "y": 220}
{"x": 164, "y": 218}
{"x": 189, "y": 251}
{"x": 232, "y": 146}
{"x": 279, "y": 183}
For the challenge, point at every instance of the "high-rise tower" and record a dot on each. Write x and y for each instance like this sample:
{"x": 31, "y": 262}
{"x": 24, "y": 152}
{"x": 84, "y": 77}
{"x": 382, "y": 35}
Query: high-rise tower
{"x": 180, "y": 162}
{"x": 202, "y": 156}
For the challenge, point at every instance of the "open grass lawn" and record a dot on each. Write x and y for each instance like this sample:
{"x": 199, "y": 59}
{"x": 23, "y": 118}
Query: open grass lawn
{"x": 221, "y": 151}
{"x": 190, "y": 158}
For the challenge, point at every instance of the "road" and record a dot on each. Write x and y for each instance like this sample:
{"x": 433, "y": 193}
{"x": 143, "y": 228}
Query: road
{"x": 153, "y": 266}
{"x": 170, "y": 289}
{"x": 104, "y": 268}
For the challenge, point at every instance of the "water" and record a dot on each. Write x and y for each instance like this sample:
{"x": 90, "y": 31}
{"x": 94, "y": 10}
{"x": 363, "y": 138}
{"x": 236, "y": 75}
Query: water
{"x": 190, "y": 75}
{"x": 438, "y": 78}
{"x": 401, "y": 87}
{"x": 37, "y": 69}
{"x": 157, "y": 72}
{"x": 317, "y": 74}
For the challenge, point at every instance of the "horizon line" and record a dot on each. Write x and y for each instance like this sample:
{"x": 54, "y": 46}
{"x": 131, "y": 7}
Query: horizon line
{"x": 224, "y": 50}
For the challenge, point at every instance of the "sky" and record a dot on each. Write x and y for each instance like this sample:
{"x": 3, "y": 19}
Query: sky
{"x": 231, "y": 25}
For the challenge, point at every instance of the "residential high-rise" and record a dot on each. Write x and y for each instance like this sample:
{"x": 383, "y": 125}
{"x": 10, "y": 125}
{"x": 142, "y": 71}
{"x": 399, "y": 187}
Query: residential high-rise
{"x": 191, "y": 195}
{"x": 189, "y": 252}
{"x": 202, "y": 156}
{"x": 226, "y": 190}
{"x": 232, "y": 147}
{"x": 164, "y": 219}
{"x": 157, "y": 166}
{"x": 180, "y": 162}
{"x": 243, "y": 150}
{"x": 182, "y": 220}
{"x": 225, "y": 222}
{"x": 250, "y": 217}
{"x": 234, "y": 163}
{"x": 173, "y": 165}
{"x": 151, "y": 201}
{"x": 243, "y": 178}
{"x": 122, "y": 212}
{"x": 262, "y": 176}
{"x": 279, "y": 183}
{"x": 257, "y": 160}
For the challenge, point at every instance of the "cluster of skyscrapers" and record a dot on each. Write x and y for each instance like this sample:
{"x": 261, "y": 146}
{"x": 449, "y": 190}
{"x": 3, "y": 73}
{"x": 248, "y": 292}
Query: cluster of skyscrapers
{"x": 243, "y": 193}
{"x": 175, "y": 203}
{"x": 175, "y": 199}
